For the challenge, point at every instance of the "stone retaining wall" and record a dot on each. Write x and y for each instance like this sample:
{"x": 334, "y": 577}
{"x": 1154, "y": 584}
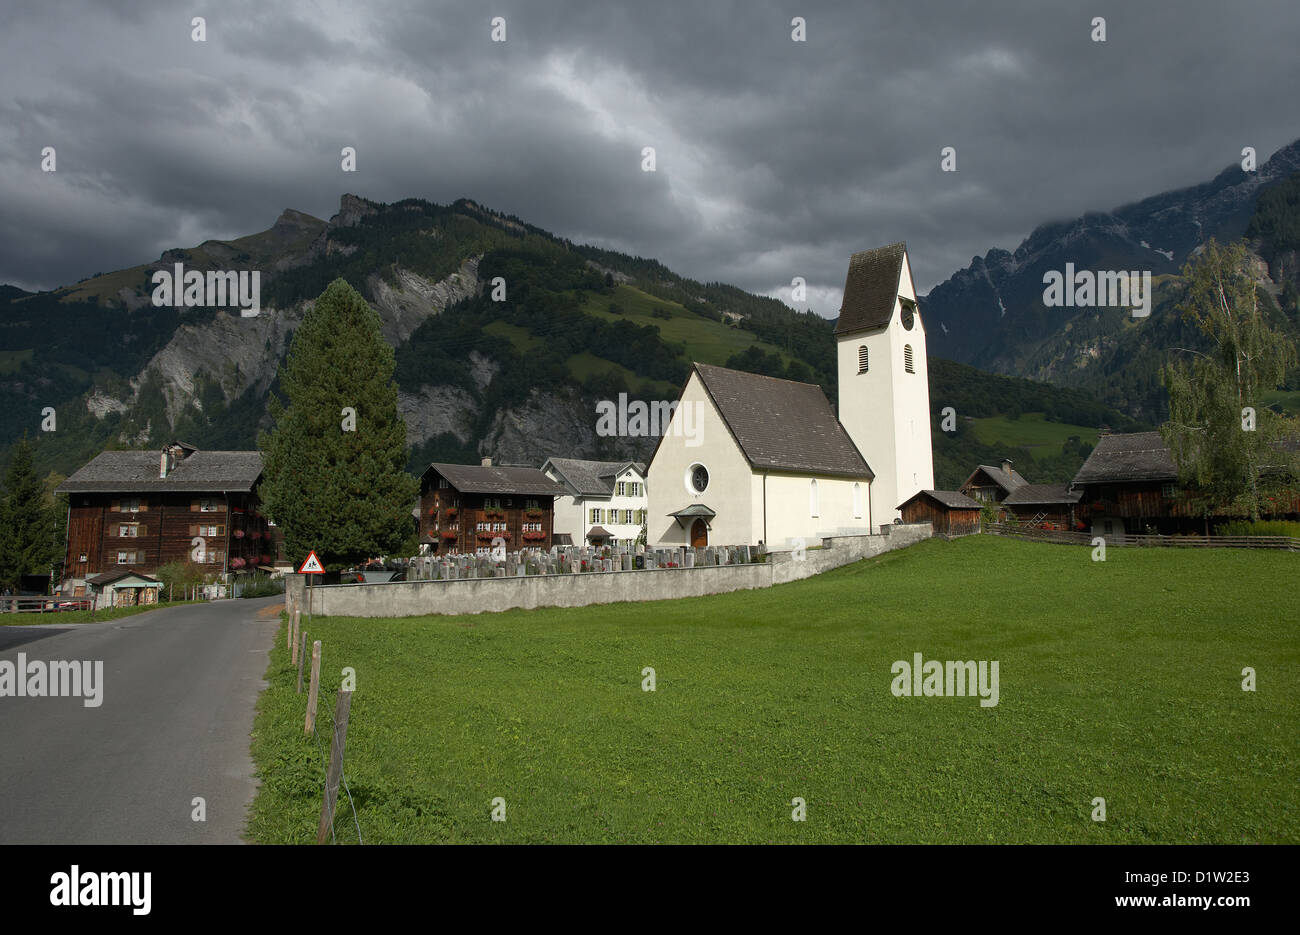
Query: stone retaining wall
{"x": 483, "y": 595}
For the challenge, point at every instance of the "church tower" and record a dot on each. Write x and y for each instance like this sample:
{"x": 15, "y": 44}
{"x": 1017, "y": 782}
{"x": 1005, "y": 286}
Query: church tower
{"x": 883, "y": 377}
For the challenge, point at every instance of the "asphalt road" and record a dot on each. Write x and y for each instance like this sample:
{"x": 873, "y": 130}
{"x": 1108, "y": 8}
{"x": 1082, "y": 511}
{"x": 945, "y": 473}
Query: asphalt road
{"x": 179, "y": 690}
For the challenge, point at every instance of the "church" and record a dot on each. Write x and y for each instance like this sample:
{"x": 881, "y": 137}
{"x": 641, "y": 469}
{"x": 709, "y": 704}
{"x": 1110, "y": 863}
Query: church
{"x": 771, "y": 461}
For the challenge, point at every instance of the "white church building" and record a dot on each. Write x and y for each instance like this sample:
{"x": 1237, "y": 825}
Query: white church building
{"x": 770, "y": 461}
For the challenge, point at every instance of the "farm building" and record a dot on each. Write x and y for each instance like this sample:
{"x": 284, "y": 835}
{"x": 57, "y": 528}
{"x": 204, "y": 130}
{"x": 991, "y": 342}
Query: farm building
{"x": 1129, "y": 484}
{"x": 465, "y": 507}
{"x": 989, "y": 484}
{"x": 604, "y": 503}
{"x": 948, "y": 512}
{"x": 1047, "y": 506}
{"x": 136, "y": 510}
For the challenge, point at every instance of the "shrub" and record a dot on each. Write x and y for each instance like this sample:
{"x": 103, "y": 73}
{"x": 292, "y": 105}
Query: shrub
{"x": 1261, "y": 528}
{"x": 177, "y": 576}
{"x": 263, "y": 586}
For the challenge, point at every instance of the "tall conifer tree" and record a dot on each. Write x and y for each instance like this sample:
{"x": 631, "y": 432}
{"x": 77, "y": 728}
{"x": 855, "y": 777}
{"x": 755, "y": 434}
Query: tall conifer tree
{"x": 28, "y": 533}
{"x": 334, "y": 465}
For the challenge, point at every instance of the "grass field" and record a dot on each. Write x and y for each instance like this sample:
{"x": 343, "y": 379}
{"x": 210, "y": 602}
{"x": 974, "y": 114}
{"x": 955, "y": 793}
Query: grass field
{"x": 706, "y": 341}
{"x": 1289, "y": 400}
{"x": 1119, "y": 680}
{"x": 1032, "y": 431}
{"x": 82, "y": 616}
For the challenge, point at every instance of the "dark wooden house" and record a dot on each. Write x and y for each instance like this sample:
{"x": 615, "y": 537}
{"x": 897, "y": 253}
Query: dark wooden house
{"x": 136, "y": 510}
{"x": 1129, "y": 484}
{"x": 949, "y": 512}
{"x": 989, "y": 484}
{"x": 1044, "y": 506}
{"x": 464, "y": 507}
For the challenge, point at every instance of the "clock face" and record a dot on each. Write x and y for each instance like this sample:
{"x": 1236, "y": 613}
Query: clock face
{"x": 700, "y": 478}
{"x": 908, "y": 317}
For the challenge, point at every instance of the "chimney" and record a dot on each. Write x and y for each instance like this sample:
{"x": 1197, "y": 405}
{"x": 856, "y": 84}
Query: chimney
{"x": 486, "y": 462}
{"x": 162, "y": 464}
{"x": 1006, "y": 467}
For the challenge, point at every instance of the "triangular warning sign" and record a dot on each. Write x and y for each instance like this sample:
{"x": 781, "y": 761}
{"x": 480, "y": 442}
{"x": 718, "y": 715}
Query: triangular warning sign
{"x": 312, "y": 566}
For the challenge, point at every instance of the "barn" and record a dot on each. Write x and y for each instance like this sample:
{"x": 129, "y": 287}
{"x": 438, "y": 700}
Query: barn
{"x": 948, "y": 512}
{"x": 1044, "y": 506}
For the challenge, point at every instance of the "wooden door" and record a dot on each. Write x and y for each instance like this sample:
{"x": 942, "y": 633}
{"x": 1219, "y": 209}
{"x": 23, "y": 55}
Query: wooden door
{"x": 699, "y": 534}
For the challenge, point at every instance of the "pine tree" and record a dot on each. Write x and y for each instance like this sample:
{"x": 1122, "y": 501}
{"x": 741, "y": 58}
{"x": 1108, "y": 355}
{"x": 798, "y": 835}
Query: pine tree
{"x": 333, "y": 466}
{"x": 28, "y": 529}
{"x": 1227, "y": 465}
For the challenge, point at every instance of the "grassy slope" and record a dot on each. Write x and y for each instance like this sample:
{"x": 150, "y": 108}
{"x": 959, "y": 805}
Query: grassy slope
{"x": 1031, "y": 430}
{"x": 1118, "y": 679}
{"x": 707, "y": 341}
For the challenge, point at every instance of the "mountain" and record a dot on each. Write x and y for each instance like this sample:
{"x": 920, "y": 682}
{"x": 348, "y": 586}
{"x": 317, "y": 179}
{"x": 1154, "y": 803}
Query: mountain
{"x": 514, "y": 375}
{"x": 992, "y": 314}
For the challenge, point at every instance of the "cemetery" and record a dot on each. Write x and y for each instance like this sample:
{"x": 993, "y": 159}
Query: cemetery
{"x": 574, "y": 576}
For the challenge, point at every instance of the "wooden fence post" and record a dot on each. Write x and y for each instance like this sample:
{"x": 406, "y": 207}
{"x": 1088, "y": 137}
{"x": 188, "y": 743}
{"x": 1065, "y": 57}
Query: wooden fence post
{"x": 301, "y": 652}
{"x": 312, "y": 694}
{"x": 342, "y": 709}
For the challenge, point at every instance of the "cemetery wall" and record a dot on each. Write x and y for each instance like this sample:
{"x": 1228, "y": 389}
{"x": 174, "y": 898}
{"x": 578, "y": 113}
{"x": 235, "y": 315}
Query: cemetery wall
{"x": 506, "y": 586}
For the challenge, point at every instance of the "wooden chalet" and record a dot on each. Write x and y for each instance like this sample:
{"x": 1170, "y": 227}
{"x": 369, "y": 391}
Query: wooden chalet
{"x": 989, "y": 484}
{"x": 949, "y": 512}
{"x": 1129, "y": 484}
{"x": 464, "y": 507}
{"x": 1044, "y": 506}
{"x": 135, "y": 510}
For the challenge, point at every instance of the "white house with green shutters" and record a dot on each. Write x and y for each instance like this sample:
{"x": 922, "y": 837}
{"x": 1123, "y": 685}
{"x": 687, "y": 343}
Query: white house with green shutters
{"x": 604, "y": 504}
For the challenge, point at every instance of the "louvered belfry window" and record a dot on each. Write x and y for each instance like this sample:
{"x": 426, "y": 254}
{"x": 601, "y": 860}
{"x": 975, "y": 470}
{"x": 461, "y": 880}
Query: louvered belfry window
{"x": 862, "y": 358}
{"x": 907, "y": 358}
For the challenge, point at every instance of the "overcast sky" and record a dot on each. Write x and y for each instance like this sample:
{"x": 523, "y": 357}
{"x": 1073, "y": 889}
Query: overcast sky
{"x": 775, "y": 158}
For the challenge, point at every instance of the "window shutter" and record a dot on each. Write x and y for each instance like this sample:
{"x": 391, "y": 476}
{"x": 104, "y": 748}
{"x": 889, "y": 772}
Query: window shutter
{"x": 116, "y": 506}
{"x": 194, "y": 530}
{"x": 907, "y": 358}
{"x": 142, "y": 530}
{"x": 862, "y": 358}
{"x": 194, "y": 506}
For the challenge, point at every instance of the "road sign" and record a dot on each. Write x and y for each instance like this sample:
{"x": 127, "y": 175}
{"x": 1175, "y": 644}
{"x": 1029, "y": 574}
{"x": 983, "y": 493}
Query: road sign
{"x": 312, "y": 566}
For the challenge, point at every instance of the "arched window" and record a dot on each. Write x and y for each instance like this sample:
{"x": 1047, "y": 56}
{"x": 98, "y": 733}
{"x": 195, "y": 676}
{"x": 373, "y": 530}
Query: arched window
{"x": 857, "y": 501}
{"x": 907, "y": 358}
{"x": 862, "y": 358}
{"x": 812, "y": 499}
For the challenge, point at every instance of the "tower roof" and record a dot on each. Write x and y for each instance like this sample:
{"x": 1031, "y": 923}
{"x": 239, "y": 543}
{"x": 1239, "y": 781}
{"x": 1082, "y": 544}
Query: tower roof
{"x": 871, "y": 288}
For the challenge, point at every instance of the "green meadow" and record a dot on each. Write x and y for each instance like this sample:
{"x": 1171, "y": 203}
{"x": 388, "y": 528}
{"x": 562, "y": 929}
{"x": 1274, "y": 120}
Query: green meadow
{"x": 1032, "y": 431}
{"x": 1119, "y": 680}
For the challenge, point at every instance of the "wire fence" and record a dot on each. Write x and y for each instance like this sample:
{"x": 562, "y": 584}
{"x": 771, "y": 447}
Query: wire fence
{"x": 327, "y": 704}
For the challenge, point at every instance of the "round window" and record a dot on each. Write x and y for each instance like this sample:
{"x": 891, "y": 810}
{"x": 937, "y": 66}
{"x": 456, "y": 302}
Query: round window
{"x": 697, "y": 478}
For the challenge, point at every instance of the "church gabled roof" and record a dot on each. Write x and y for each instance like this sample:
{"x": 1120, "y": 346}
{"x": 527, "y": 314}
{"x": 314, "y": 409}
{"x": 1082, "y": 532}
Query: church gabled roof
{"x": 871, "y": 288}
{"x": 782, "y": 425}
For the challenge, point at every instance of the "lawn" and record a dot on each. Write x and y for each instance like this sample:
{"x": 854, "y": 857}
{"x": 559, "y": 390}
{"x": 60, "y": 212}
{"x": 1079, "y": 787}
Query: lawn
{"x": 82, "y": 616}
{"x": 1032, "y": 431}
{"x": 1119, "y": 679}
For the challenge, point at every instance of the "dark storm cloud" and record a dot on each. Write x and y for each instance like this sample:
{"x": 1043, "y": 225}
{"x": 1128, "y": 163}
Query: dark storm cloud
{"x": 775, "y": 159}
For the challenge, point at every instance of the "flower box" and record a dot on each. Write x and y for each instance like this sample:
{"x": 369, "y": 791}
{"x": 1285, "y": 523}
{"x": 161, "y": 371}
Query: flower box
{"x": 450, "y": 535}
